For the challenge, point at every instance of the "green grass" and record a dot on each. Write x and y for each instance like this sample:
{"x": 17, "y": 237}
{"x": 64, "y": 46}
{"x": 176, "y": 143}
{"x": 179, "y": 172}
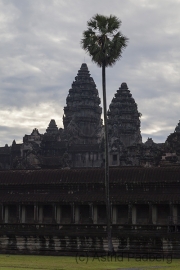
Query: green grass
{"x": 30, "y": 262}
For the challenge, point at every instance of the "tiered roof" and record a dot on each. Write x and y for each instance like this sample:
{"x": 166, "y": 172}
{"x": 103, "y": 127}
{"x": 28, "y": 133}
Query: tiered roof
{"x": 52, "y": 128}
{"x": 137, "y": 185}
{"x": 177, "y": 129}
{"x": 123, "y": 116}
{"x": 83, "y": 110}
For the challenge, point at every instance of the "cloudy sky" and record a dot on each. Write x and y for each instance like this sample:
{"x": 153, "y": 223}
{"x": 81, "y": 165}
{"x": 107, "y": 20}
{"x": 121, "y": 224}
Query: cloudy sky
{"x": 40, "y": 55}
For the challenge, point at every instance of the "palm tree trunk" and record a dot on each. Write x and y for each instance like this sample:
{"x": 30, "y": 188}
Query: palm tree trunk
{"x": 108, "y": 209}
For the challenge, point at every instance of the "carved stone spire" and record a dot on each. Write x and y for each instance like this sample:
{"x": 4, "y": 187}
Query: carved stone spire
{"x": 123, "y": 118}
{"x": 82, "y": 115}
{"x": 177, "y": 129}
{"x": 14, "y": 142}
{"x": 52, "y": 128}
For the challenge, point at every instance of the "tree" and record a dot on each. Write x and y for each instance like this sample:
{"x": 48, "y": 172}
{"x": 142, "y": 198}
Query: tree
{"x": 104, "y": 43}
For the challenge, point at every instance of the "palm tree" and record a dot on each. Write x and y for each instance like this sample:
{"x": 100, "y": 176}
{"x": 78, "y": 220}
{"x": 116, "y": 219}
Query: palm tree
{"x": 104, "y": 43}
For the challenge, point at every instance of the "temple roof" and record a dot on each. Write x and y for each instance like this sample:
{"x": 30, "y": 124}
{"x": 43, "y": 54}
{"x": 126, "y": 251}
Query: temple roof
{"x": 123, "y": 86}
{"x": 82, "y": 115}
{"x": 52, "y": 128}
{"x": 149, "y": 142}
{"x": 35, "y": 132}
{"x": 95, "y": 175}
{"x": 85, "y": 197}
{"x": 65, "y": 186}
{"x": 83, "y": 80}
{"x": 177, "y": 129}
{"x": 123, "y": 117}
{"x": 5, "y": 150}
{"x": 83, "y": 71}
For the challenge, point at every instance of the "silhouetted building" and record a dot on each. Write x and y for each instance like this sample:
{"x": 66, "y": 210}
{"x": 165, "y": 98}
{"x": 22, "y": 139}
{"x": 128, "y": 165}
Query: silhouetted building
{"x": 81, "y": 142}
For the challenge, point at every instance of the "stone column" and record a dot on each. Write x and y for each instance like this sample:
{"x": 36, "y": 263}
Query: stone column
{"x": 72, "y": 213}
{"x": 77, "y": 214}
{"x": 23, "y": 215}
{"x": 58, "y": 214}
{"x": 95, "y": 214}
{"x": 150, "y": 213}
{"x": 19, "y": 213}
{"x": 40, "y": 214}
{"x": 154, "y": 214}
{"x": 87, "y": 159}
{"x": 36, "y": 213}
{"x": 91, "y": 213}
{"x": 1, "y": 213}
{"x": 114, "y": 214}
{"x": 53, "y": 213}
{"x": 129, "y": 213}
{"x": 118, "y": 160}
{"x": 134, "y": 216}
{"x": 6, "y": 214}
{"x": 111, "y": 211}
{"x": 170, "y": 218}
{"x": 175, "y": 214}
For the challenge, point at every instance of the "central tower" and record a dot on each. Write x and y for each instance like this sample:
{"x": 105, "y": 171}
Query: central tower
{"x": 82, "y": 121}
{"x": 82, "y": 115}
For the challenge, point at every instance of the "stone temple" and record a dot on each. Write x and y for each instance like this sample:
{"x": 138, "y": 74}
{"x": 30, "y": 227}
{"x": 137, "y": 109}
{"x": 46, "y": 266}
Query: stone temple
{"x": 52, "y": 191}
{"x": 82, "y": 121}
{"x": 123, "y": 125}
{"x": 80, "y": 144}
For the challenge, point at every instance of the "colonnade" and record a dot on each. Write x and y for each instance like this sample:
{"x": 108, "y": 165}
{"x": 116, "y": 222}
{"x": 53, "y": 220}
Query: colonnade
{"x": 90, "y": 213}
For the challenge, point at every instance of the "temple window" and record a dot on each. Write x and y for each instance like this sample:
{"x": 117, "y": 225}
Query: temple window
{"x": 101, "y": 214}
{"x": 162, "y": 214}
{"x": 114, "y": 161}
{"x": 142, "y": 212}
{"x": 66, "y": 214}
{"x": 12, "y": 213}
{"x": 47, "y": 213}
{"x": 122, "y": 214}
{"x": 29, "y": 213}
{"x": 84, "y": 214}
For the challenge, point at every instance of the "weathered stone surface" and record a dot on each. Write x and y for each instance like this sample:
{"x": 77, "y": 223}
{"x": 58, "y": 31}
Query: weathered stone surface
{"x": 123, "y": 127}
{"x": 82, "y": 121}
{"x": 171, "y": 149}
{"x": 63, "y": 211}
{"x": 82, "y": 115}
{"x": 93, "y": 245}
{"x": 123, "y": 118}
{"x": 177, "y": 129}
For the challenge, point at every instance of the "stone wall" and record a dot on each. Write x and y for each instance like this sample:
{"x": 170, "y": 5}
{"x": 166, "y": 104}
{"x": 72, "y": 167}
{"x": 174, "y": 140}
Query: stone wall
{"x": 74, "y": 240}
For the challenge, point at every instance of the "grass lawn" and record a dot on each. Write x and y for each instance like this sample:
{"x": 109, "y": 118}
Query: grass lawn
{"x": 30, "y": 262}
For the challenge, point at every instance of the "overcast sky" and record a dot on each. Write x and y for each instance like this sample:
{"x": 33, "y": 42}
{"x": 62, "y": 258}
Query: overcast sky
{"x": 40, "y": 55}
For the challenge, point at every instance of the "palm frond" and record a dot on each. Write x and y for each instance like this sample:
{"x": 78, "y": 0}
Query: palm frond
{"x": 102, "y": 40}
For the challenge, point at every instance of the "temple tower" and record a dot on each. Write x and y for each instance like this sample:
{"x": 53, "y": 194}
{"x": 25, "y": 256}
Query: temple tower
{"x": 82, "y": 115}
{"x": 82, "y": 121}
{"x": 123, "y": 125}
{"x": 52, "y": 128}
{"x": 172, "y": 147}
{"x": 177, "y": 129}
{"x": 123, "y": 118}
